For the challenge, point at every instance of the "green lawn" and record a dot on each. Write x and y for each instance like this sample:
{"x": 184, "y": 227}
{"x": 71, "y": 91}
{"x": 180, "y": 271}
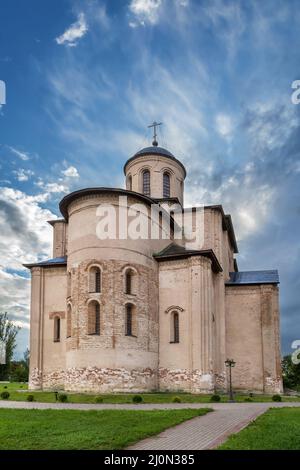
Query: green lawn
{"x": 278, "y": 428}
{"x": 72, "y": 429}
{"x": 16, "y": 393}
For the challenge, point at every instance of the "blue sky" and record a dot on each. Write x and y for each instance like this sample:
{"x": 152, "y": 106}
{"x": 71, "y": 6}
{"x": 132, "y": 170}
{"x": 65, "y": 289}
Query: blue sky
{"x": 85, "y": 78}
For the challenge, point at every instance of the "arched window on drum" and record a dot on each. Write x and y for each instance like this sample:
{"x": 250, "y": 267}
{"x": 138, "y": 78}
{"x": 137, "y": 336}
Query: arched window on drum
{"x": 166, "y": 184}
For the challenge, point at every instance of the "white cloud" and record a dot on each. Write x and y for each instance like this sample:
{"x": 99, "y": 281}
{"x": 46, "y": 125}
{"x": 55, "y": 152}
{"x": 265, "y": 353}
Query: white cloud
{"x": 23, "y": 175}
{"x": 71, "y": 172}
{"x": 51, "y": 188}
{"x": 25, "y": 238}
{"x": 22, "y": 155}
{"x": 224, "y": 125}
{"x": 75, "y": 32}
{"x": 144, "y": 11}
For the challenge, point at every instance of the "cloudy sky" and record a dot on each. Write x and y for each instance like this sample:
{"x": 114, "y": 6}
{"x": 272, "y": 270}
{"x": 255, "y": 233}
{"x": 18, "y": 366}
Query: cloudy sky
{"x": 85, "y": 78}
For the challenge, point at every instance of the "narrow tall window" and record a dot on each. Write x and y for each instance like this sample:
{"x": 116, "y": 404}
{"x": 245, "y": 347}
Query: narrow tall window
{"x": 94, "y": 318}
{"x": 146, "y": 182}
{"x": 175, "y": 320}
{"x": 128, "y": 325}
{"x": 128, "y": 282}
{"x": 56, "y": 329}
{"x": 129, "y": 185}
{"x": 69, "y": 321}
{"x": 97, "y": 319}
{"x": 98, "y": 280}
{"x": 166, "y": 185}
{"x": 95, "y": 279}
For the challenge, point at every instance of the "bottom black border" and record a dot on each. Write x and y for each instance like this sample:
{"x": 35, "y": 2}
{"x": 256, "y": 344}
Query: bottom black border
{"x": 151, "y": 459}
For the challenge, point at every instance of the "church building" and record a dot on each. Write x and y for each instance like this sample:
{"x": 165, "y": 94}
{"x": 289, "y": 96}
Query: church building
{"x": 123, "y": 314}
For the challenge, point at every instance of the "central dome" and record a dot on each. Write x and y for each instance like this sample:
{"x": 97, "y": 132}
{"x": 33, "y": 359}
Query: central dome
{"x": 154, "y": 150}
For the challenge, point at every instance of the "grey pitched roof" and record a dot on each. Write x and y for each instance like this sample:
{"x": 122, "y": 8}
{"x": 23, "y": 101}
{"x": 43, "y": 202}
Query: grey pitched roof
{"x": 174, "y": 251}
{"x": 253, "y": 277}
{"x": 62, "y": 261}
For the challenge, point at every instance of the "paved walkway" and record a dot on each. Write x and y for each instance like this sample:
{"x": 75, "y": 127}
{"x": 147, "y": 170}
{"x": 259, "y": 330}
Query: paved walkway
{"x": 203, "y": 432}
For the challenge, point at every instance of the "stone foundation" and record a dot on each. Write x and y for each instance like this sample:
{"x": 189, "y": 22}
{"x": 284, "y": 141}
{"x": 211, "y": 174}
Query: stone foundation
{"x": 106, "y": 380}
{"x": 185, "y": 380}
{"x": 53, "y": 380}
{"x": 96, "y": 380}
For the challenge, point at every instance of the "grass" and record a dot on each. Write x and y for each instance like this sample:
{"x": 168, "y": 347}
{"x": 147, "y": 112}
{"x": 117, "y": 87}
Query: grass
{"x": 16, "y": 394}
{"x": 87, "y": 430}
{"x": 277, "y": 429}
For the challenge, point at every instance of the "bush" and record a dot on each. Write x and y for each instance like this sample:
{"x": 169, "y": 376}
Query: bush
{"x": 4, "y": 395}
{"x": 276, "y": 398}
{"x": 176, "y": 400}
{"x": 215, "y": 398}
{"x": 30, "y": 398}
{"x": 5, "y": 386}
{"x": 137, "y": 399}
{"x": 248, "y": 399}
{"x": 99, "y": 399}
{"x": 62, "y": 397}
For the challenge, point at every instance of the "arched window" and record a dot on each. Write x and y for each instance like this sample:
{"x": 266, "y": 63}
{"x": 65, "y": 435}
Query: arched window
{"x": 93, "y": 318}
{"x": 146, "y": 182}
{"x": 95, "y": 279}
{"x": 166, "y": 184}
{"x": 56, "y": 329}
{"x": 69, "y": 321}
{"x": 174, "y": 327}
{"x": 128, "y": 282}
{"x": 129, "y": 183}
{"x": 128, "y": 320}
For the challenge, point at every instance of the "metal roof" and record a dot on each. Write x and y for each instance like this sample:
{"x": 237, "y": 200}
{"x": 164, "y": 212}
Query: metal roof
{"x": 154, "y": 150}
{"x": 64, "y": 203}
{"x": 174, "y": 251}
{"x": 253, "y": 277}
{"x": 49, "y": 262}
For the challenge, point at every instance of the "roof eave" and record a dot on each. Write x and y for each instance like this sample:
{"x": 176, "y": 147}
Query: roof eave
{"x": 41, "y": 265}
{"x": 240, "y": 284}
{"x": 189, "y": 253}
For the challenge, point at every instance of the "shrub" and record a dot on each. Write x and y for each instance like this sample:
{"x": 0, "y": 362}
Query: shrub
{"x": 215, "y": 398}
{"x": 62, "y": 397}
{"x": 99, "y": 399}
{"x": 176, "y": 400}
{"x": 276, "y": 398}
{"x": 4, "y": 395}
{"x": 5, "y": 386}
{"x": 248, "y": 399}
{"x": 30, "y": 398}
{"x": 137, "y": 399}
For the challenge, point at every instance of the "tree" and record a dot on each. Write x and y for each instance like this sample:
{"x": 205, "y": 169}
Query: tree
{"x": 290, "y": 373}
{"x": 8, "y": 333}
